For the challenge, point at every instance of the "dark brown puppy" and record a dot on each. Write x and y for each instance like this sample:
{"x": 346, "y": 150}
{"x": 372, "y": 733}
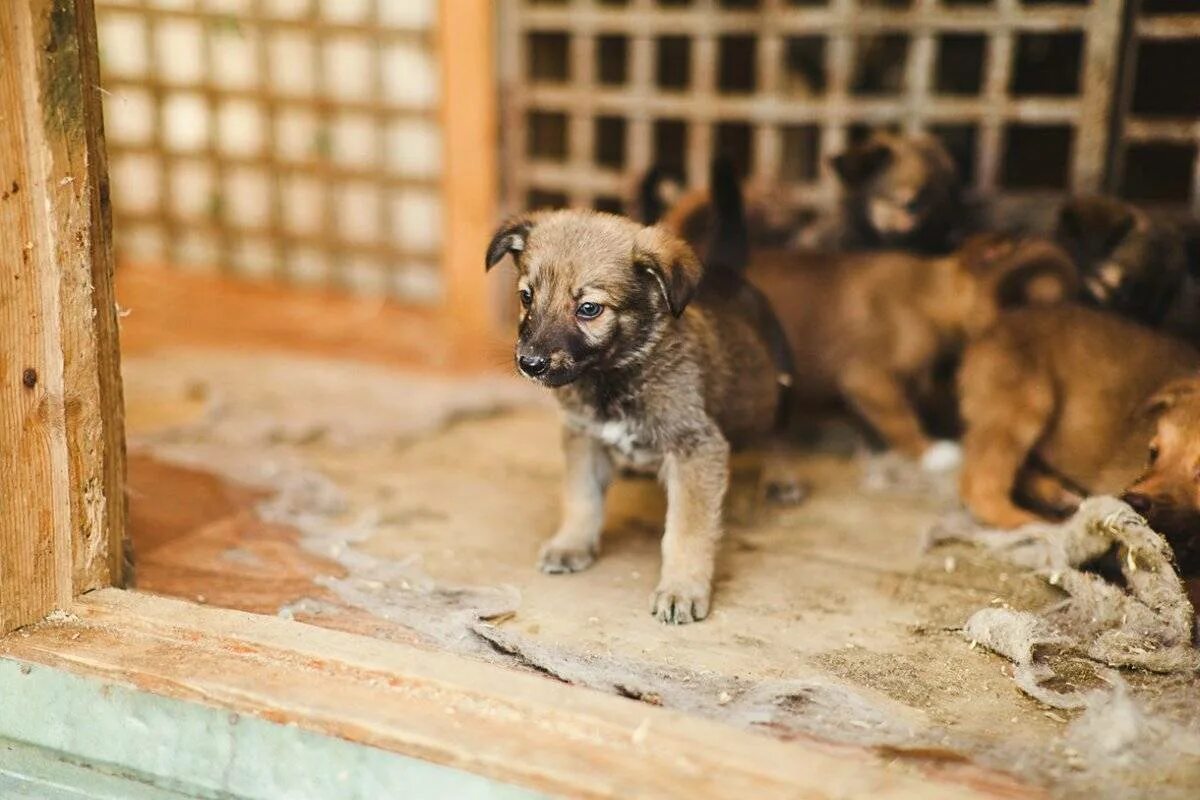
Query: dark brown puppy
{"x": 1168, "y": 492}
{"x": 1131, "y": 263}
{"x": 1058, "y": 403}
{"x": 898, "y": 192}
{"x": 871, "y": 328}
{"x": 657, "y": 364}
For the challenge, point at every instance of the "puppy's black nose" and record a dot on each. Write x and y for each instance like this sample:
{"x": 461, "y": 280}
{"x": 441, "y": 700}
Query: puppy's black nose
{"x": 1138, "y": 502}
{"x": 533, "y": 365}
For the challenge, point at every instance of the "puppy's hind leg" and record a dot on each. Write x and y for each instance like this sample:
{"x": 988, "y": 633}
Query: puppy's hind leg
{"x": 588, "y": 474}
{"x": 1006, "y": 413}
{"x": 697, "y": 478}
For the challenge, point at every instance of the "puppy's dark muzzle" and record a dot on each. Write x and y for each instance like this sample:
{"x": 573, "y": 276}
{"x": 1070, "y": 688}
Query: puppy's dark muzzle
{"x": 533, "y": 366}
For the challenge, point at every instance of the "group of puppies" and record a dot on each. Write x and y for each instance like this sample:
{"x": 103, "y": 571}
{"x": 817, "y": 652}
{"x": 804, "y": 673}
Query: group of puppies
{"x": 1062, "y": 362}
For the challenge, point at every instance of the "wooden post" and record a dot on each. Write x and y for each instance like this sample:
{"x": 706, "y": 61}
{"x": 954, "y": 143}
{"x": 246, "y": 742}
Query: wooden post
{"x": 469, "y": 170}
{"x": 62, "y": 508}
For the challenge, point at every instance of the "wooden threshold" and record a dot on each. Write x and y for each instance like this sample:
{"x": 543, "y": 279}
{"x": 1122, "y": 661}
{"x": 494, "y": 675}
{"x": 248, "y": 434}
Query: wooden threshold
{"x": 517, "y": 729}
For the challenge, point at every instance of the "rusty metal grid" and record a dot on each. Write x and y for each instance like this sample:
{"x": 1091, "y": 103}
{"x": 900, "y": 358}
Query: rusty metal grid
{"x": 276, "y": 139}
{"x": 1172, "y": 180}
{"x": 572, "y": 175}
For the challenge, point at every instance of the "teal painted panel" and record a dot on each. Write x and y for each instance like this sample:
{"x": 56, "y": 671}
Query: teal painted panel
{"x": 200, "y": 751}
{"x": 32, "y": 773}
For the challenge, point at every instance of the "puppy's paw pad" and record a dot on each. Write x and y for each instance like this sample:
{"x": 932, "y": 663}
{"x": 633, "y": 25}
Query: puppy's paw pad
{"x": 676, "y": 605}
{"x": 558, "y": 560}
{"x": 942, "y": 456}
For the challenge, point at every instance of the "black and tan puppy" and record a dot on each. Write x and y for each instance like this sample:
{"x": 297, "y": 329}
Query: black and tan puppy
{"x": 658, "y": 364}
{"x": 1064, "y": 402}
{"x": 1131, "y": 263}
{"x": 872, "y": 328}
{"x": 898, "y": 192}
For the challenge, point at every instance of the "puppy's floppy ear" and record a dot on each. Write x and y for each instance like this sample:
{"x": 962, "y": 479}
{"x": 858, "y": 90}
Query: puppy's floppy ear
{"x": 1099, "y": 220}
{"x": 1166, "y": 398}
{"x": 671, "y": 263}
{"x": 860, "y": 163}
{"x": 1037, "y": 273}
{"x": 510, "y": 237}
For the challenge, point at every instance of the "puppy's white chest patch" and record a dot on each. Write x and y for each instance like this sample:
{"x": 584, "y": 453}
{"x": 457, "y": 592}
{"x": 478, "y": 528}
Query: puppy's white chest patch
{"x": 627, "y": 443}
{"x": 616, "y": 433}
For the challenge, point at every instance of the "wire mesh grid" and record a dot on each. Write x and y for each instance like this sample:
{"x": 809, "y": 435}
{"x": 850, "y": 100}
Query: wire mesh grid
{"x": 1157, "y": 152}
{"x": 292, "y": 140}
{"x": 597, "y": 90}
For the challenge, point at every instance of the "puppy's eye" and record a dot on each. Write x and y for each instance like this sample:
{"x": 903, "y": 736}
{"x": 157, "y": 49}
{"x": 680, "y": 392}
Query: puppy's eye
{"x": 588, "y": 310}
{"x": 1153, "y": 453}
{"x": 526, "y": 297}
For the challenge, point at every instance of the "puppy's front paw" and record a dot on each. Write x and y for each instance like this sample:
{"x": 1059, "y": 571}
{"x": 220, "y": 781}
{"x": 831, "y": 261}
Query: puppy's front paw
{"x": 941, "y": 456}
{"x": 557, "y": 559}
{"x": 679, "y": 604}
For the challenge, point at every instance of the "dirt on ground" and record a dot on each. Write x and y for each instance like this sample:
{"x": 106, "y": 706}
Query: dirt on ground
{"x": 412, "y": 507}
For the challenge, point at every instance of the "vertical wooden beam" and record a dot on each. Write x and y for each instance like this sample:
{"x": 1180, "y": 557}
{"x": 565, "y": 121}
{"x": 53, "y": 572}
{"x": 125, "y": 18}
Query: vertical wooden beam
{"x": 62, "y": 507}
{"x": 469, "y": 168}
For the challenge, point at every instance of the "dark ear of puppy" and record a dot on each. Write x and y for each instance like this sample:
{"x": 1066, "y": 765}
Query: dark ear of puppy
{"x": 1101, "y": 220}
{"x": 657, "y": 191}
{"x": 510, "y": 237}
{"x": 671, "y": 263}
{"x": 1168, "y": 396}
{"x": 1040, "y": 273}
{"x": 860, "y": 163}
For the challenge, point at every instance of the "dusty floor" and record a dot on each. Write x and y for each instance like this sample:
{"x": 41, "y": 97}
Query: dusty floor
{"x": 412, "y": 507}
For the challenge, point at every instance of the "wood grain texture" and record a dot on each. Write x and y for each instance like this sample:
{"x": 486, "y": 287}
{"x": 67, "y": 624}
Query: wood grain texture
{"x": 61, "y": 503}
{"x": 513, "y": 727}
{"x": 470, "y": 185}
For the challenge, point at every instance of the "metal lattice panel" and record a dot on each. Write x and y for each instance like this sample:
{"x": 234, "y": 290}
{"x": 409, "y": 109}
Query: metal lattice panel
{"x": 1158, "y": 151}
{"x": 597, "y": 90}
{"x": 294, "y": 140}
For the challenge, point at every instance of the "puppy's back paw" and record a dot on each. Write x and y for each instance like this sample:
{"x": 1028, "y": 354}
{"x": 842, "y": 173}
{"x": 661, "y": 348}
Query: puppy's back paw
{"x": 679, "y": 605}
{"x": 556, "y": 559}
{"x": 942, "y": 456}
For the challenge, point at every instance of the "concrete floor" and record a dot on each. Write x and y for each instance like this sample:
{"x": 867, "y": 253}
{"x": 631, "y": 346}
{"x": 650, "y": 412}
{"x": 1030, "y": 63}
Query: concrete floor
{"x": 411, "y": 507}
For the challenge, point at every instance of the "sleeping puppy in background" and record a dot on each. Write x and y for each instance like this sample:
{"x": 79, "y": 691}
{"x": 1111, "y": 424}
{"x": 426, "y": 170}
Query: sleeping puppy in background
{"x": 1132, "y": 264}
{"x": 872, "y": 328}
{"x": 658, "y": 364}
{"x": 898, "y": 192}
{"x": 1060, "y": 403}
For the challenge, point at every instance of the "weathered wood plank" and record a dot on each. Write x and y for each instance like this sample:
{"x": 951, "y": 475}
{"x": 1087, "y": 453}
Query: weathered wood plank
{"x": 511, "y": 727}
{"x": 61, "y": 502}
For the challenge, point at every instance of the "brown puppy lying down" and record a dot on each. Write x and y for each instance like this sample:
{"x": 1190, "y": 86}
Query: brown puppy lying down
{"x": 1064, "y": 402}
{"x": 870, "y": 328}
{"x": 657, "y": 364}
{"x": 1168, "y": 492}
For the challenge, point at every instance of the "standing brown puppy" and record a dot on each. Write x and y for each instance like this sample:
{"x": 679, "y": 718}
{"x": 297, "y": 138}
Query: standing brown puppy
{"x": 657, "y": 364}
{"x": 1060, "y": 403}
{"x": 871, "y": 328}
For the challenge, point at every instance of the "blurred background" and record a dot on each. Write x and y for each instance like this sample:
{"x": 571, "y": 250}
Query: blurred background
{"x": 301, "y": 143}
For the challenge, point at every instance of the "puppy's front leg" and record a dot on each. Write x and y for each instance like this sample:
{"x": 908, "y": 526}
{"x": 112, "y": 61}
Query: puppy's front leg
{"x": 585, "y": 482}
{"x": 881, "y": 399}
{"x": 697, "y": 476}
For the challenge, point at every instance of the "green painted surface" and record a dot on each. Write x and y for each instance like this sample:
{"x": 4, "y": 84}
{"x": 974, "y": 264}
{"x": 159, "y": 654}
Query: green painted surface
{"x": 84, "y": 729}
{"x": 38, "y": 774}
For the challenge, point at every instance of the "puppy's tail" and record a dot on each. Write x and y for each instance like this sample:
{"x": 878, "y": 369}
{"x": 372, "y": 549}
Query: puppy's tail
{"x": 729, "y": 242}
